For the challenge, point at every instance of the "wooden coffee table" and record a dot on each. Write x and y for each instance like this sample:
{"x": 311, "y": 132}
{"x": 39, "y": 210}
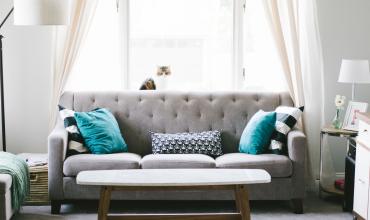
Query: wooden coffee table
{"x": 175, "y": 179}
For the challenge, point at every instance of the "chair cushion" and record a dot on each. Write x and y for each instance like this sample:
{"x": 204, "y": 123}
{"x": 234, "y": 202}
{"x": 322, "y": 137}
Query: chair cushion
{"x": 81, "y": 162}
{"x": 275, "y": 165}
{"x": 173, "y": 161}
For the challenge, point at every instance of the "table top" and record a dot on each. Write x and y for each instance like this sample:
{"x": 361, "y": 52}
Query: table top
{"x": 173, "y": 177}
{"x": 338, "y": 132}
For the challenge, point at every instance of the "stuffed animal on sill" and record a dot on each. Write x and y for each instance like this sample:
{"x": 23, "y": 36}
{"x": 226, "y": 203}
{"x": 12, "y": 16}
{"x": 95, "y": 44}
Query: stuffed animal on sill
{"x": 148, "y": 84}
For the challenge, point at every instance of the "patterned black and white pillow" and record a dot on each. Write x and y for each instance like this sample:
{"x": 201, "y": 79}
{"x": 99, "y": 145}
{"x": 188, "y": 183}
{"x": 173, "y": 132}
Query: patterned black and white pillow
{"x": 75, "y": 139}
{"x": 286, "y": 119}
{"x": 207, "y": 142}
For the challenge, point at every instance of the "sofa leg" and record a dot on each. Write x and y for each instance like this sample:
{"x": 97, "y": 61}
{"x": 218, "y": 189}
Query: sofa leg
{"x": 297, "y": 206}
{"x": 55, "y": 207}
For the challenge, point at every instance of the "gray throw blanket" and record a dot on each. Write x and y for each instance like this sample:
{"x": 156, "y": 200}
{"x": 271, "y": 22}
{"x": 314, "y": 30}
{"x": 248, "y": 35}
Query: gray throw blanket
{"x": 18, "y": 169}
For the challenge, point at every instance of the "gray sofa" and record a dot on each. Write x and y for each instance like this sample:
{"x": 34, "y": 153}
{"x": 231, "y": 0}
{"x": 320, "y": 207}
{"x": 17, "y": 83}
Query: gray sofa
{"x": 139, "y": 112}
{"x": 6, "y": 210}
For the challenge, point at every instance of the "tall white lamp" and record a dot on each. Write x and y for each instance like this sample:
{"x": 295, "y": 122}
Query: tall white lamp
{"x": 354, "y": 71}
{"x": 31, "y": 12}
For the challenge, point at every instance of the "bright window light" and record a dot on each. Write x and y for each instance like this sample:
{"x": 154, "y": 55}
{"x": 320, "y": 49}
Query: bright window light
{"x": 98, "y": 64}
{"x": 263, "y": 71}
{"x": 193, "y": 37}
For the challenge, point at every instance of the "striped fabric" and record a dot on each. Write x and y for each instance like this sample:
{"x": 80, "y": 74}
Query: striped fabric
{"x": 286, "y": 119}
{"x": 75, "y": 140}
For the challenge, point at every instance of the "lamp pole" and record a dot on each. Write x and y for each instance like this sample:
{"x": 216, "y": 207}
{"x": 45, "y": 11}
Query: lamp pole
{"x": 2, "y": 107}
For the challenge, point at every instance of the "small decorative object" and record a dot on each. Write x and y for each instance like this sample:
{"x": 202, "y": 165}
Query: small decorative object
{"x": 339, "y": 102}
{"x": 351, "y": 120}
{"x": 148, "y": 84}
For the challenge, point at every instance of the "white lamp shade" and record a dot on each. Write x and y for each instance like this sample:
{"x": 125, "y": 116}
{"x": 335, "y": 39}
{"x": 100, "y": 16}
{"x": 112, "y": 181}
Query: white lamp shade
{"x": 354, "y": 71}
{"x": 41, "y": 12}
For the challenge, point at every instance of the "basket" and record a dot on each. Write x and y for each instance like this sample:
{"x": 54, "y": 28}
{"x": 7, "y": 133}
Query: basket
{"x": 38, "y": 186}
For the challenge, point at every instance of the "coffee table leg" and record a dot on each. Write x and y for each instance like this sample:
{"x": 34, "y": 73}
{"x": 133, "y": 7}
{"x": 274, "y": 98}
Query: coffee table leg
{"x": 242, "y": 202}
{"x": 104, "y": 202}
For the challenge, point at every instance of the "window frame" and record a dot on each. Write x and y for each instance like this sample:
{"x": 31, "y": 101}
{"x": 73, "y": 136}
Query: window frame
{"x": 237, "y": 54}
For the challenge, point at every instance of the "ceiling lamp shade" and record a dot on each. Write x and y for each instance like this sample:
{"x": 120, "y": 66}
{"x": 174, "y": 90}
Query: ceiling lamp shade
{"x": 354, "y": 71}
{"x": 41, "y": 12}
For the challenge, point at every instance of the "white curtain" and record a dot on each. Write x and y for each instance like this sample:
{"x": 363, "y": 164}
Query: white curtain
{"x": 67, "y": 44}
{"x": 294, "y": 26}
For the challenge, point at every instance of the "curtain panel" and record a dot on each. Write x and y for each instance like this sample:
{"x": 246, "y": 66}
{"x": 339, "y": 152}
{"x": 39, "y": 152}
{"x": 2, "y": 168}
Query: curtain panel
{"x": 294, "y": 26}
{"x": 67, "y": 43}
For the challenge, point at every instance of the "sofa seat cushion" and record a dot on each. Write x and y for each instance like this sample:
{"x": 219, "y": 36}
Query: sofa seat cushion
{"x": 275, "y": 165}
{"x": 81, "y": 162}
{"x": 173, "y": 161}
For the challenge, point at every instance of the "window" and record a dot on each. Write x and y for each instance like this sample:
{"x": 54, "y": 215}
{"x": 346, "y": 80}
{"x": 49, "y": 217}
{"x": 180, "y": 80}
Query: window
{"x": 97, "y": 66}
{"x": 198, "y": 40}
{"x": 192, "y": 37}
{"x": 260, "y": 56}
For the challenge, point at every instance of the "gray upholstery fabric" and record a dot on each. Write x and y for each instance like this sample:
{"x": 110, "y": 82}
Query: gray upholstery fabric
{"x": 297, "y": 148}
{"x": 77, "y": 163}
{"x": 57, "y": 148}
{"x": 173, "y": 161}
{"x": 6, "y": 210}
{"x": 139, "y": 112}
{"x": 5, "y": 183}
{"x": 275, "y": 165}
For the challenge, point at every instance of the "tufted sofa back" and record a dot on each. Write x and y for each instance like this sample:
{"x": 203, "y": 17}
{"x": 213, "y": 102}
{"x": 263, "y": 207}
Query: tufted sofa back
{"x": 139, "y": 112}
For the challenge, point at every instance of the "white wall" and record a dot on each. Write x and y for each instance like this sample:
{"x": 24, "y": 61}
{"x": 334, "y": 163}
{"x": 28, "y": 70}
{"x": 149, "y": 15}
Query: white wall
{"x": 345, "y": 33}
{"x": 27, "y": 80}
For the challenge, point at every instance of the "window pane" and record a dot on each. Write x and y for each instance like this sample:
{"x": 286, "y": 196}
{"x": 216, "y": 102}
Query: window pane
{"x": 97, "y": 66}
{"x": 193, "y": 37}
{"x": 263, "y": 70}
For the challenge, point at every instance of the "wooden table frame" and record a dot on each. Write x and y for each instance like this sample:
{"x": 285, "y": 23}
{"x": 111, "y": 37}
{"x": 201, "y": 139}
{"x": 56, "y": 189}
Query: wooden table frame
{"x": 241, "y": 202}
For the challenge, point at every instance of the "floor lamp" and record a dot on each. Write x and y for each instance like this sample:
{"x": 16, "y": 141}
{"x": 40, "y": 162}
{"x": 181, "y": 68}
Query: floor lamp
{"x": 31, "y": 12}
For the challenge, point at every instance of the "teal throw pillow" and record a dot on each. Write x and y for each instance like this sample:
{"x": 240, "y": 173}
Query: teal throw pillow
{"x": 256, "y": 136}
{"x": 100, "y": 131}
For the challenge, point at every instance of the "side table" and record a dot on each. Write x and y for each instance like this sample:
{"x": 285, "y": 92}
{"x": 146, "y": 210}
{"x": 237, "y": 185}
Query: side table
{"x": 329, "y": 131}
{"x": 38, "y": 168}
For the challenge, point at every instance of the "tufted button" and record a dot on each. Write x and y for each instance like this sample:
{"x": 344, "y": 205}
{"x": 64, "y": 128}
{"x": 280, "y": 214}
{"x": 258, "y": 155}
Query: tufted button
{"x": 187, "y": 130}
{"x": 140, "y": 99}
{"x": 211, "y": 98}
{"x": 116, "y": 99}
{"x": 256, "y": 98}
{"x": 223, "y": 115}
{"x": 175, "y": 115}
{"x": 186, "y": 98}
{"x": 93, "y": 100}
{"x": 234, "y": 99}
{"x": 163, "y": 98}
{"x": 151, "y": 115}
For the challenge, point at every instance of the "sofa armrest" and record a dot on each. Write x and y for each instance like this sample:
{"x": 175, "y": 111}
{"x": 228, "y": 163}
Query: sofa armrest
{"x": 5, "y": 183}
{"x": 57, "y": 148}
{"x": 297, "y": 145}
